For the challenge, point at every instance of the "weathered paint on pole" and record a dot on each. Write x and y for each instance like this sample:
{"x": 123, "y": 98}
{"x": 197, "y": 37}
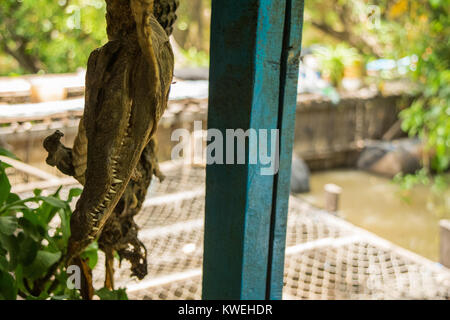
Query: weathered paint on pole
{"x": 255, "y": 49}
{"x": 290, "y": 60}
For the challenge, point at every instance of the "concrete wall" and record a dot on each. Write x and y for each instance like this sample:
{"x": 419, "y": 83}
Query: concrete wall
{"x": 326, "y": 135}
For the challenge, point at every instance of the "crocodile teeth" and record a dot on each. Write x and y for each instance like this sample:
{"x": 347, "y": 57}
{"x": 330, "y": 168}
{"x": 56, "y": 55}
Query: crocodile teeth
{"x": 95, "y": 229}
{"x": 115, "y": 180}
{"x": 112, "y": 191}
{"x": 92, "y": 214}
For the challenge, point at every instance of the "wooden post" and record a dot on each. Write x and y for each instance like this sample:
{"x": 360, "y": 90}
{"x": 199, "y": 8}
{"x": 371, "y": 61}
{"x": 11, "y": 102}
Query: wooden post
{"x": 445, "y": 242}
{"x": 255, "y": 51}
{"x": 332, "y": 194}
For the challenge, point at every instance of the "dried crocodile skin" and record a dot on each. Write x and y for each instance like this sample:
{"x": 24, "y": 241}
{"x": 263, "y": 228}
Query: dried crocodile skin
{"x": 127, "y": 88}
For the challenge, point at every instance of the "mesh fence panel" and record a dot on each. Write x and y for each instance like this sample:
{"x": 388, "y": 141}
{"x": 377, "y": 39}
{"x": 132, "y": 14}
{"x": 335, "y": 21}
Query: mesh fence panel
{"x": 326, "y": 258}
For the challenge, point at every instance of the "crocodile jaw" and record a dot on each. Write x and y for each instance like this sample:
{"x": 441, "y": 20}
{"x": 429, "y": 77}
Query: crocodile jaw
{"x": 115, "y": 144}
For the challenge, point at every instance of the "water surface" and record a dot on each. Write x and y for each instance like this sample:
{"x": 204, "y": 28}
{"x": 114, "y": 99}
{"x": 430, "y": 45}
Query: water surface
{"x": 378, "y": 205}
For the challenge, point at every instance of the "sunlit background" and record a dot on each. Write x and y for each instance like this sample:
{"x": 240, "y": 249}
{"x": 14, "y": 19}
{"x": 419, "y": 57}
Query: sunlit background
{"x": 391, "y": 58}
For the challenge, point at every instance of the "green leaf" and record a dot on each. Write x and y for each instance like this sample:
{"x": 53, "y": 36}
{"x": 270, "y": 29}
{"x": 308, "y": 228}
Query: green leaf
{"x": 15, "y": 208}
{"x": 19, "y": 203}
{"x": 65, "y": 224}
{"x": 73, "y": 193}
{"x": 12, "y": 197}
{"x": 54, "y": 202}
{"x": 4, "y": 265}
{"x": 34, "y": 218}
{"x": 30, "y": 225}
{"x": 5, "y": 187}
{"x": 18, "y": 272}
{"x": 9, "y": 154}
{"x": 8, "y": 287}
{"x": 46, "y": 212}
{"x": 44, "y": 260}
{"x": 105, "y": 294}
{"x": 8, "y": 225}
{"x": 91, "y": 253}
{"x": 56, "y": 193}
{"x": 10, "y": 244}
{"x": 4, "y": 165}
{"x": 28, "y": 249}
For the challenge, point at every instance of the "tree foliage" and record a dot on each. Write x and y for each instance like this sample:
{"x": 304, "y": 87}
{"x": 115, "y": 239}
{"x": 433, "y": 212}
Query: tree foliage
{"x": 50, "y": 36}
{"x": 429, "y": 116}
{"x": 57, "y": 36}
{"x": 394, "y": 29}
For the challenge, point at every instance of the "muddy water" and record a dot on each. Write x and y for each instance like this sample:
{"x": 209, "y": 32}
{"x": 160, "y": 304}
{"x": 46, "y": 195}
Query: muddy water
{"x": 374, "y": 203}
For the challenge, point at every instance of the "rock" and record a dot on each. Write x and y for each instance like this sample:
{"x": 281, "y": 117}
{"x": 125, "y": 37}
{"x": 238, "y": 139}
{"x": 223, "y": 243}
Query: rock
{"x": 391, "y": 158}
{"x": 299, "y": 176}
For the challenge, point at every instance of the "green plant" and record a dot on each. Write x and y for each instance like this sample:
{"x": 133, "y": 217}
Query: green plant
{"x": 34, "y": 233}
{"x": 429, "y": 116}
{"x": 49, "y": 36}
{"x": 333, "y": 61}
{"x": 195, "y": 57}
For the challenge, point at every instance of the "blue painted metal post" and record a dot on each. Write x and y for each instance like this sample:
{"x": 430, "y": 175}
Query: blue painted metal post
{"x": 255, "y": 50}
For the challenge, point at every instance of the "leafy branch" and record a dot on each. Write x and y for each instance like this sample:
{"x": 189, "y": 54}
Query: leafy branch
{"x": 34, "y": 234}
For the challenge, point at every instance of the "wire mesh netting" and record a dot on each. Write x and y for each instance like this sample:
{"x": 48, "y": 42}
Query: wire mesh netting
{"x": 326, "y": 257}
{"x": 359, "y": 270}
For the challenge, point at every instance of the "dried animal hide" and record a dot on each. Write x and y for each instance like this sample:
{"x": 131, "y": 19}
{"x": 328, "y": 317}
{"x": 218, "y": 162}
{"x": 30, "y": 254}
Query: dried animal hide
{"x": 114, "y": 154}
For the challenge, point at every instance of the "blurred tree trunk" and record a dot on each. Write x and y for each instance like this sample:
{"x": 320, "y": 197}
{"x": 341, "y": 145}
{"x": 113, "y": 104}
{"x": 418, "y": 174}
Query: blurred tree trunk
{"x": 344, "y": 26}
{"x": 26, "y": 61}
{"x": 197, "y": 15}
{"x": 193, "y": 27}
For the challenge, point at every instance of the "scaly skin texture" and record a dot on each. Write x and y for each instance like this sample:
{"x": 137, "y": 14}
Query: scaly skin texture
{"x": 127, "y": 88}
